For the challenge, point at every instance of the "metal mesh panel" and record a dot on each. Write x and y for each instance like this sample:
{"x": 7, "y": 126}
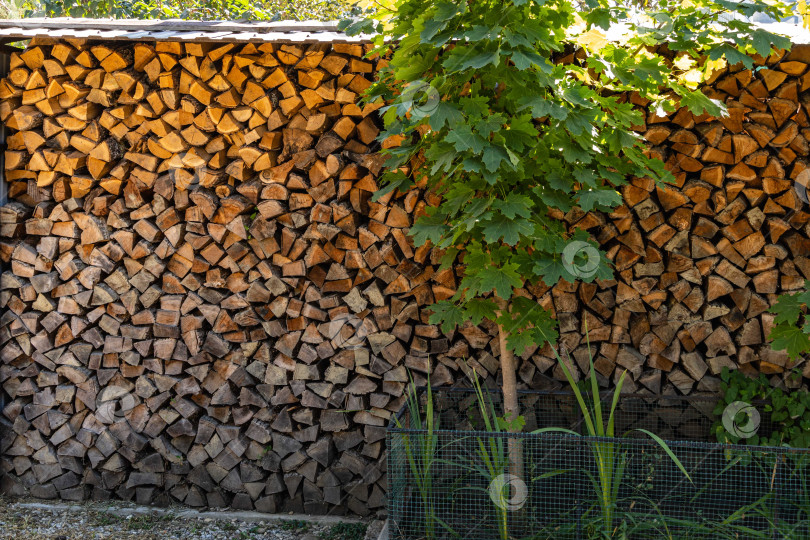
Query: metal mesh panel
{"x": 456, "y": 482}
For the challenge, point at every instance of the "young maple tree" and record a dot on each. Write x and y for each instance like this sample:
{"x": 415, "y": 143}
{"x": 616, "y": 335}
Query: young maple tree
{"x": 513, "y": 110}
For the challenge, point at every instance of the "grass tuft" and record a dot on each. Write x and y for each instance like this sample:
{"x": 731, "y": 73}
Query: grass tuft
{"x": 345, "y": 531}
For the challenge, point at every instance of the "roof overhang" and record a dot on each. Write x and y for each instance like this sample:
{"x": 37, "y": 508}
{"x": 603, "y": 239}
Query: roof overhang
{"x": 175, "y": 30}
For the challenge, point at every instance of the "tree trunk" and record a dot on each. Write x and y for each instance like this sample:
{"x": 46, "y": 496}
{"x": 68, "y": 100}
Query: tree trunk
{"x": 511, "y": 407}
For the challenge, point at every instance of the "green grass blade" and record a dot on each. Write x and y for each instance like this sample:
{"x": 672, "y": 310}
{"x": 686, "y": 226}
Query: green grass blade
{"x": 482, "y": 403}
{"x": 413, "y": 404}
{"x": 669, "y": 452}
{"x": 597, "y": 402}
{"x": 616, "y": 394}
{"x": 618, "y": 475}
{"x": 597, "y": 487}
{"x": 551, "y": 474}
{"x": 421, "y": 453}
{"x": 586, "y": 412}
{"x": 604, "y": 463}
{"x": 429, "y": 408}
{"x": 447, "y": 527}
{"x": 485, "y": 455}
{"x": 554, "y": 430}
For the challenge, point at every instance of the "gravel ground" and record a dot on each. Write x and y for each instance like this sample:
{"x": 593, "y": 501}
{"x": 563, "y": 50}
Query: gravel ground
{"x": 95, "y": 521}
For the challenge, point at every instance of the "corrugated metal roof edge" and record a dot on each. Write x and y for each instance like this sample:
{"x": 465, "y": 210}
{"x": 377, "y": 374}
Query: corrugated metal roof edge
{"x": 159, "y": 25}
{"x": 174, "y": 29}
{"x": 222, "y": 31}
{"x": 13, "y": 34}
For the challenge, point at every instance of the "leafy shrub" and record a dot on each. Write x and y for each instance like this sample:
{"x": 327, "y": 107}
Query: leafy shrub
{"x": 791, "y": 331}
{"x": 785, "y": 415}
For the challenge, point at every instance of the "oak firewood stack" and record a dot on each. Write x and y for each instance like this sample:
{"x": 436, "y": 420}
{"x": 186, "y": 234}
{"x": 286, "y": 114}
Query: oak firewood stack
{"x": 202, "y": 304}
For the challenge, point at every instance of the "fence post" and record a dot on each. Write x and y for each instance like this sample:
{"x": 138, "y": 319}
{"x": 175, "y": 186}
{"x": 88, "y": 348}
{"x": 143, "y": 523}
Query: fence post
{"x": 779, "y": 479}
{"x": 581, "y": 462}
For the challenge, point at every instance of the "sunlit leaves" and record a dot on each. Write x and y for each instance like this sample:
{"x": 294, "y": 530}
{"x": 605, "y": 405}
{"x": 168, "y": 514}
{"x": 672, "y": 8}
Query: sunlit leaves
{"x": 503, "y": 135}
{"x": 762, "y": 40}
{"x": 804, "y": 13}
{"x": 198, "y": 10}
{"x": 592, "y": 40}
{"x": 698, "y": 102}
{"x": 731, "y": 54}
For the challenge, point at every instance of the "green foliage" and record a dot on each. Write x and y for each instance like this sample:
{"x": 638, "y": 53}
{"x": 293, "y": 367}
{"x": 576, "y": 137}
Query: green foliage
{"x": 272, "y": 10}
{"x": 293, "y": 525}
{"x": 511, "y": 130}
{"x": 11, "y": 9}
{"x": 62, "y": 8}
{"x": 788, "y": 413}
{"x": 607, "y": 453}
{"x": 493, "y": 452}
{"x": 420, "y": 452}
{"x": 791, "y": 330}
{"x": 346, "y": 531}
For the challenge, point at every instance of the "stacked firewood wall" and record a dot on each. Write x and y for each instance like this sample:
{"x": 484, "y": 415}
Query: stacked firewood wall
{"x": 201, "y": 303}
{"x": 189, "y": 245}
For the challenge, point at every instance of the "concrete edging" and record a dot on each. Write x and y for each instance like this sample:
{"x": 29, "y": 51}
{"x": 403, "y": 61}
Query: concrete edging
{"x": 384, "y": 532}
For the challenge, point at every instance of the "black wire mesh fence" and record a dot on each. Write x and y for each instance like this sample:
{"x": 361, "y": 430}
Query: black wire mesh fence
{"x": 456, "y": 481}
